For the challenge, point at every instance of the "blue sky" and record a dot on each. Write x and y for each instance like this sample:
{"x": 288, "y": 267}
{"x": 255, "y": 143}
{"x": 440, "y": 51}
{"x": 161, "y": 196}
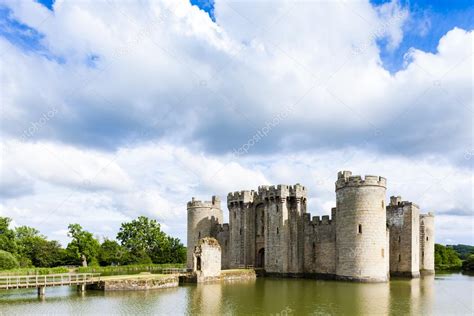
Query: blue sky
{"x": 132, "y": 109}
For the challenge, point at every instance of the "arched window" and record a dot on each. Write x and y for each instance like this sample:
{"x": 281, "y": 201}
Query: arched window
{"x": 278, "y": 231}
{"x": 360, "y": 228}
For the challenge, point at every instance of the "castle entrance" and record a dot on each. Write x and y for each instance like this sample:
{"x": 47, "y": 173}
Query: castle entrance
{"x": 261, "y": 258}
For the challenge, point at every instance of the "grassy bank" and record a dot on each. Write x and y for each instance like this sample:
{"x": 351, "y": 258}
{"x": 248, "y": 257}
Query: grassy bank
{"x": 131, "y": 269}
{"x": 34, "y": 271}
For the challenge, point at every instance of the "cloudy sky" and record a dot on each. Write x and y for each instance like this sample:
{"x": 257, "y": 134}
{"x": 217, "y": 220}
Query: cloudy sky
{"x": 114, "y": 109}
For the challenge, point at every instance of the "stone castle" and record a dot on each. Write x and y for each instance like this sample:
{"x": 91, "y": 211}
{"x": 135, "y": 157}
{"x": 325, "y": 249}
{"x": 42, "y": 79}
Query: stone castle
{"x": 363, "y": 240}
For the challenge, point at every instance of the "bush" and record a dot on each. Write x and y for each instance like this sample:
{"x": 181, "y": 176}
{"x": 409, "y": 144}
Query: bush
{"x": 7, "y": 261}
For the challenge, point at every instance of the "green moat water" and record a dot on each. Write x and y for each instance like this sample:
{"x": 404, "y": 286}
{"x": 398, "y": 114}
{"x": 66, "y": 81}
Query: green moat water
{"x": 446, "y": 294}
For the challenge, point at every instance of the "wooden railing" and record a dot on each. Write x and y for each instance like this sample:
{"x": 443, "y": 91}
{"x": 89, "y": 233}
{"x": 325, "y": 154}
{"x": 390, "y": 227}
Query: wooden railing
{"x": 28, "y": 281}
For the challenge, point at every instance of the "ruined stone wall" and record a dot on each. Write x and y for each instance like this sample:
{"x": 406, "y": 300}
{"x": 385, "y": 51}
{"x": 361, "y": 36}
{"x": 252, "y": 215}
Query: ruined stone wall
{"x": 204, "y": 218}
{"x": 360, "y": 227}
{"x": 207, "y": 260}
{"x": 427, "y": 237}
{"x": 403, "y": 222}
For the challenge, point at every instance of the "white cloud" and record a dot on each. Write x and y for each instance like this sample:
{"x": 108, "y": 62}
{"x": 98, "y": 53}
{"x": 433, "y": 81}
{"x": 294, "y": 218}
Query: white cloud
{"x": 152, "y": 119}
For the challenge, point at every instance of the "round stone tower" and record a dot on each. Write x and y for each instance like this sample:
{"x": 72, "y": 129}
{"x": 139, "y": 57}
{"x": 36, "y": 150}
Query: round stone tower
{"x": 361, "y": 238}
{"x": 204, "y": 218}
{"x": 427, "y": 239}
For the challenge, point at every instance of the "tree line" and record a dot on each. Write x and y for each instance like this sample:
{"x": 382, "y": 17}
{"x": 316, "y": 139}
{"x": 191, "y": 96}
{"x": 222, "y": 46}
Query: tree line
{"x": 140, "y": 241}
{"x": 454, "y": 257}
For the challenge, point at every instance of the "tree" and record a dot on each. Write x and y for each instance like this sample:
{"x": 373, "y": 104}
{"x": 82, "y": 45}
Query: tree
{"x": 464, "y": 251}
{"x": 144, "y": 239}
{"x": 446, "y": 258}
{"x": 34, "y": 249}
{"x": 7, "y": 236}
{"x": 111, "y": 253}
{"x": 48, "y": 253}
{"x": 83, "y": 246}
{"x": 7, "y": 260}
{"x": 176, "y": 251}
{"x": 468, "y": 265}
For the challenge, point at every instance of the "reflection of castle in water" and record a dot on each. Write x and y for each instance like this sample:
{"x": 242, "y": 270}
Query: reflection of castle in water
{"x": 310, "y": 297}
{"x": 364, "y": 239}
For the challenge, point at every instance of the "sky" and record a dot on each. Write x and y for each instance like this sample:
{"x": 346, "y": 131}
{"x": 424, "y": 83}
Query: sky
{"x": 111, "y": 110}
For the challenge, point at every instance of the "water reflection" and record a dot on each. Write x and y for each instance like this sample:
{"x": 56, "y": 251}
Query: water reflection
{"x": 445, "y": 295}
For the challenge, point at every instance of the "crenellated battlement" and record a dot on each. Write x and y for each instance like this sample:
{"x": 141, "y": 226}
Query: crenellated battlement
{"x": 223, "y": 227}
{"x": 240, "y": 196}
{"x": 214, "y": 203}
{"x": 281, "y": 190}
{"x": 321, "y": 220}
{"x": 346, "y": 179}
{"x": 396, "y": 201}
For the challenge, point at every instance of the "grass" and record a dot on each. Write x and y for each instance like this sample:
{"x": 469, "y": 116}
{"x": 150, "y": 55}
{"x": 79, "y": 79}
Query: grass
{"x": 34, "y": 271}
{"x": 131, "y": 269}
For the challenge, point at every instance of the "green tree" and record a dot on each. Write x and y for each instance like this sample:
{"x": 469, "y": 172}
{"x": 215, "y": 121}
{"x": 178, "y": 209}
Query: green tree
{"x": 83, "y": 247}
{"x": 7, "y": 236}
{"x": 446, "y": 258}
{"x": 7, "y": 260}
{"x": 111, "y": 253}
{"x": 468, "y": 264}
{"x": 144, "y": 239}
{"x": 464, "y": 251}
{"x": 35, "y": 249}
{"x": 176, "y": 252}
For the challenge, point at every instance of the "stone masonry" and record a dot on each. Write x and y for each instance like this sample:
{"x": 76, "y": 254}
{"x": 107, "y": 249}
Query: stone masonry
{"x": 363, "y": 240}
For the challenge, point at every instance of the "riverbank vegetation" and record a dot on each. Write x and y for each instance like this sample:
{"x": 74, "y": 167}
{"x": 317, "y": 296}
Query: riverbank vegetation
{"x": 139, "y": 243}
{"x": 454, "y": 257}
{"x": 132, "y": 269}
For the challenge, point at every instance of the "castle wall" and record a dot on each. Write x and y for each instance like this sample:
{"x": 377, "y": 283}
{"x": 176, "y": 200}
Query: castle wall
{"x": 427, "y": 238}
{"x": 283, "y": 208}
{"x": 276, "y": 214}
{"x": 320, "y": 245}
{"x": 360, "y": 228}
{"x": 223, "y": 237}
{"x": 242, "y": 228}
{"x": 203, "y": 221}
{"x": 403, "y": 222}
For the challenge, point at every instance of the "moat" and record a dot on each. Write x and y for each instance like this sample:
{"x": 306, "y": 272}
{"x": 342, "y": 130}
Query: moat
{"x": 443, "y": 294}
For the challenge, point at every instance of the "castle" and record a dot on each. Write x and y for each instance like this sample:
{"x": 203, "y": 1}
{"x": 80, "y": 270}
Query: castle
{"x": 363, "y": 240}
